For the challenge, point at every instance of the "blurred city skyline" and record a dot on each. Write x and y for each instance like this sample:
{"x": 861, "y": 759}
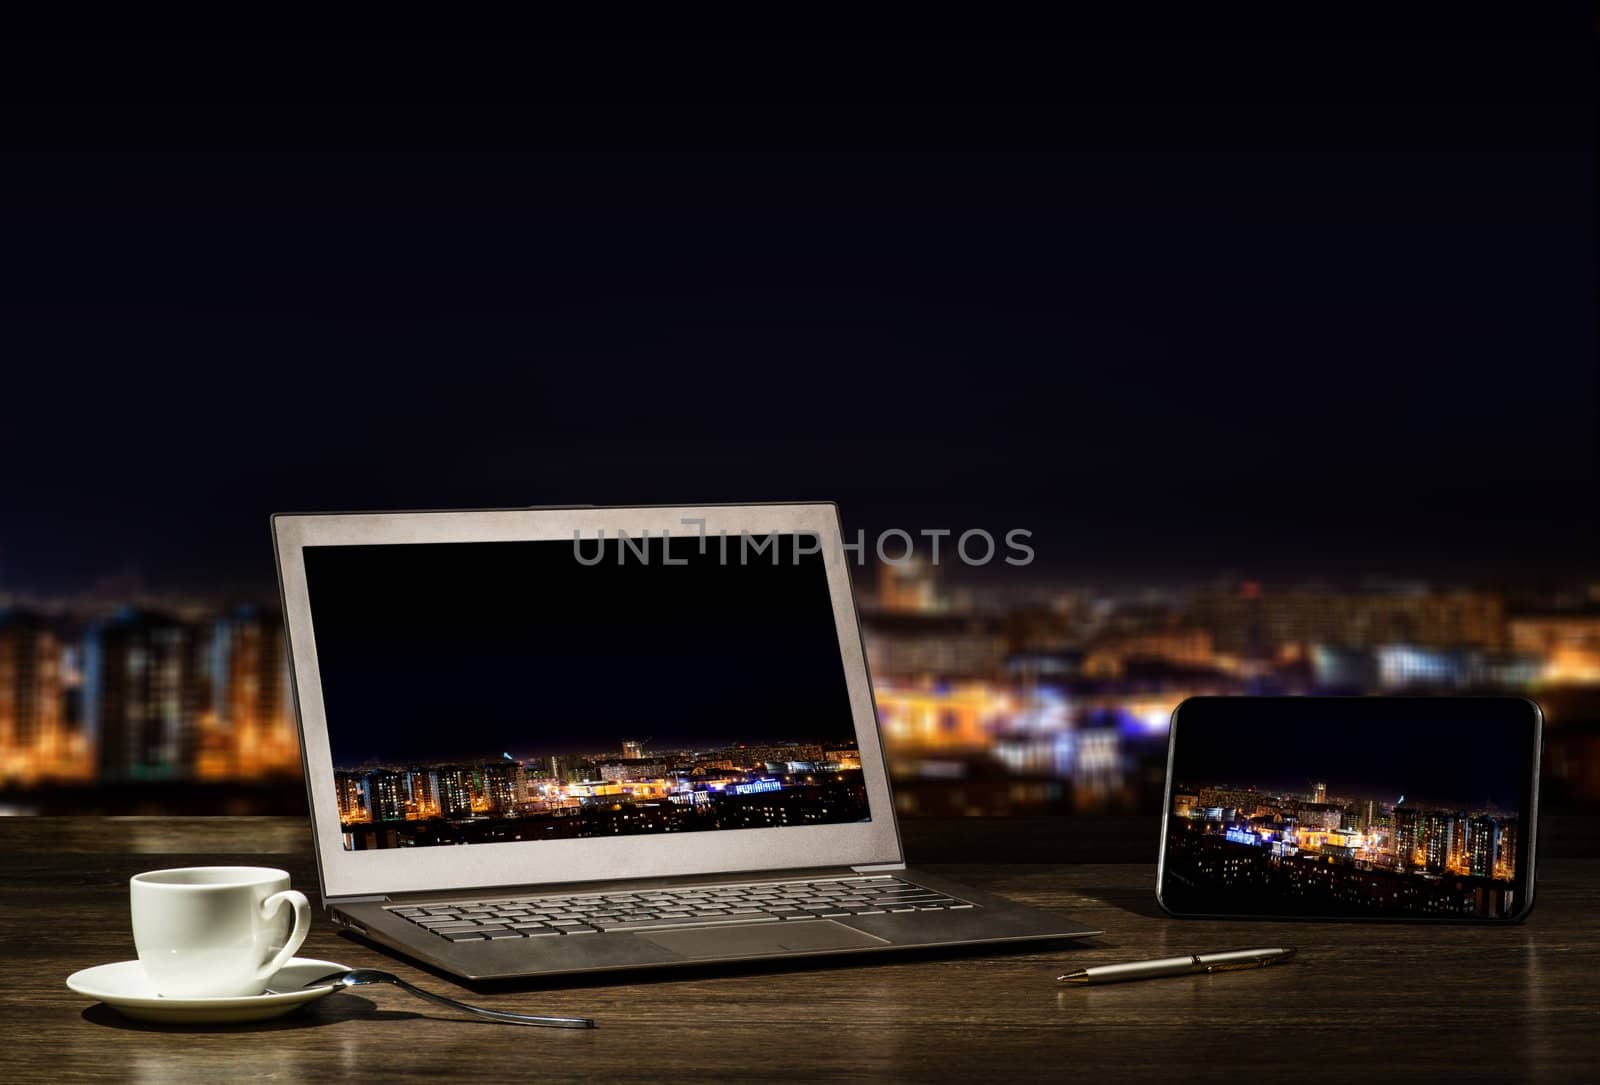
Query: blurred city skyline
{"x": 635, "y": 787}
{"x": 990, "y": 702}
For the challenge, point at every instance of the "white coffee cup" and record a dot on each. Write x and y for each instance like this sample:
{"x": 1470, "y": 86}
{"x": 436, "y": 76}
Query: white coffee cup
{"x": 215, "y": 931}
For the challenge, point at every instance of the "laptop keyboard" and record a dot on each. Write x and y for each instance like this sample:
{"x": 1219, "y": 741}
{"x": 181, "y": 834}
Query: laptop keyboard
{"x": 665, "y": 909}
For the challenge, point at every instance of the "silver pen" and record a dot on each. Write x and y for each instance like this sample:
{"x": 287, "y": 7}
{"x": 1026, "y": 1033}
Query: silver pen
{"x": 1179, "y": 966}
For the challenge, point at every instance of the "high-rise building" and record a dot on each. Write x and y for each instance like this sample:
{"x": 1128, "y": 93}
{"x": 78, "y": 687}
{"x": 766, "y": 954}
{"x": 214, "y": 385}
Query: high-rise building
{"x": 352, "y": 806}
{"x": 1319, "y": 793}
{"x": 1437, "y": 831}
{"x": 383, "y": 793}
{"x": 1456, "y": 843}
{"x": 251, "y": 706}
{"x": 502, "y": 786}
{"x": 33, "y": 736}
{"x": 420, "y": 795}
{"x": 1408, "y": 835}
{"x": 141, "y": 696}
{"x": 1481, "y": 845}
{"x": 632, "y": 749}
{"x": 1506, "y": 863}
{"x": 455, "y": 788}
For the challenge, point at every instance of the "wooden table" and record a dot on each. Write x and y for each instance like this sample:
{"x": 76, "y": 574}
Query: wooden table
{"x": 1363, "y": 1002}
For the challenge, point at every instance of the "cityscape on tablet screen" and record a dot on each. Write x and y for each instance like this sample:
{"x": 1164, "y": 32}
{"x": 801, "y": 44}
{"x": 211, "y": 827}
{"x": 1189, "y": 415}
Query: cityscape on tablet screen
{"x": 1290, "y": 809}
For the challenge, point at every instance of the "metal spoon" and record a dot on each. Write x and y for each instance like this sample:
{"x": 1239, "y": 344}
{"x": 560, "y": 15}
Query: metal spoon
{"x": 360, "y": 977}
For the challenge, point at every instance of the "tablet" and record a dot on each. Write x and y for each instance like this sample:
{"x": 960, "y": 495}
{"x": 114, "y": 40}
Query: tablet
{"x": 1351, "y": 807}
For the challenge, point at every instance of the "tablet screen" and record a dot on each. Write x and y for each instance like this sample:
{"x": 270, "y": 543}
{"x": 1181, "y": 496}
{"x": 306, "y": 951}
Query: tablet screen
{"x": 1406, "y": 808}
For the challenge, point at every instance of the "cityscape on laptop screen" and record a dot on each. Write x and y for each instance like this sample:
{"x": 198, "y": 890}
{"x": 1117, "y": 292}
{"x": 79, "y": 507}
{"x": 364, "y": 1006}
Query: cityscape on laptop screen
{"x": 543, "y": 690}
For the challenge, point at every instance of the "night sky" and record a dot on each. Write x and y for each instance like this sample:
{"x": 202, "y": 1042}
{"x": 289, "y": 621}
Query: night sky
{"x": 1168, "y": 364}
{"x": 434, "y": 652}
{"x": 1471, "y": 753}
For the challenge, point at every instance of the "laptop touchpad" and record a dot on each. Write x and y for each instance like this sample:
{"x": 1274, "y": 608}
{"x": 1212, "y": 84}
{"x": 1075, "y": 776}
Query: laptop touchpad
{"x": 763, "y": 940}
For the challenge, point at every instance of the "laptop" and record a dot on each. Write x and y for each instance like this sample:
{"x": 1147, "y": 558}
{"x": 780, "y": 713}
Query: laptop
{"x": 554, "y": 741}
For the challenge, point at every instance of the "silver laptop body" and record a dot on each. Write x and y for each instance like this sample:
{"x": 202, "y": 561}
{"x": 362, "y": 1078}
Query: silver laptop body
{"x": 569, "y": 740}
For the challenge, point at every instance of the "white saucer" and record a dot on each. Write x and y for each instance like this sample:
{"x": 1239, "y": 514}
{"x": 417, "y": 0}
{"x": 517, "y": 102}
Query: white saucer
{"x": 125, "y": 987}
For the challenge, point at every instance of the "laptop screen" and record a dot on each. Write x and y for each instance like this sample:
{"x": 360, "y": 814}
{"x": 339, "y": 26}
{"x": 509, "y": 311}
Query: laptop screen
{"x": 496, "y": 692}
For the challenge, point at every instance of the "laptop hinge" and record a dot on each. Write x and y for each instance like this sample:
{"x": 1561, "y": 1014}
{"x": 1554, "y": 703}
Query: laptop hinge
{"x": 379, "y": 897}
{"x": 874, "y": 868}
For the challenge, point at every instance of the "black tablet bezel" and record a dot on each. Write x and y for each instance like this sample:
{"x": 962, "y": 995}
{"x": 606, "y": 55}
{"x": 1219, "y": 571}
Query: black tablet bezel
{"x": 1516, "y": 711}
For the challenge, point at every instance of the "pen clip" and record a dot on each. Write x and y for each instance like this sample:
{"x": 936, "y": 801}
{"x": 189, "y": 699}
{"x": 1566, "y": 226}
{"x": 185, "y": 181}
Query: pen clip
{"x": 1237, "y": 966}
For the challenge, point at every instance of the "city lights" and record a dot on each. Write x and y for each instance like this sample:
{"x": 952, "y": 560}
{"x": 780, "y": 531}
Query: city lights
{"x": 1272, "y": 851}
{"x": 636, "y": 790}
{"x": 1037, "y": 700}
{"x": 1060, "y": 699}
{"x": 141, "y": 696}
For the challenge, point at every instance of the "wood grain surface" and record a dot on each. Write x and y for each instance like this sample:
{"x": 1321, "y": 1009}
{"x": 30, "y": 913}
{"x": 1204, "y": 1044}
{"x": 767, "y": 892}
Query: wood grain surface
{"x": 1362, "y": 1003}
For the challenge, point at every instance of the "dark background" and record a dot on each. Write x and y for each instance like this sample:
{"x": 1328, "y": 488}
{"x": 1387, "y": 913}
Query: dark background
{"x": 1164, "y": 364}
{"x": 436, "y": 652}
{"x": 1472, "y": 753}
{"x": 1292, "y": 305}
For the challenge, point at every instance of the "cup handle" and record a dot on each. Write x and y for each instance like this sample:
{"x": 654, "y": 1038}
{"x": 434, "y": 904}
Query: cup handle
{"x": 297, "y": 936}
